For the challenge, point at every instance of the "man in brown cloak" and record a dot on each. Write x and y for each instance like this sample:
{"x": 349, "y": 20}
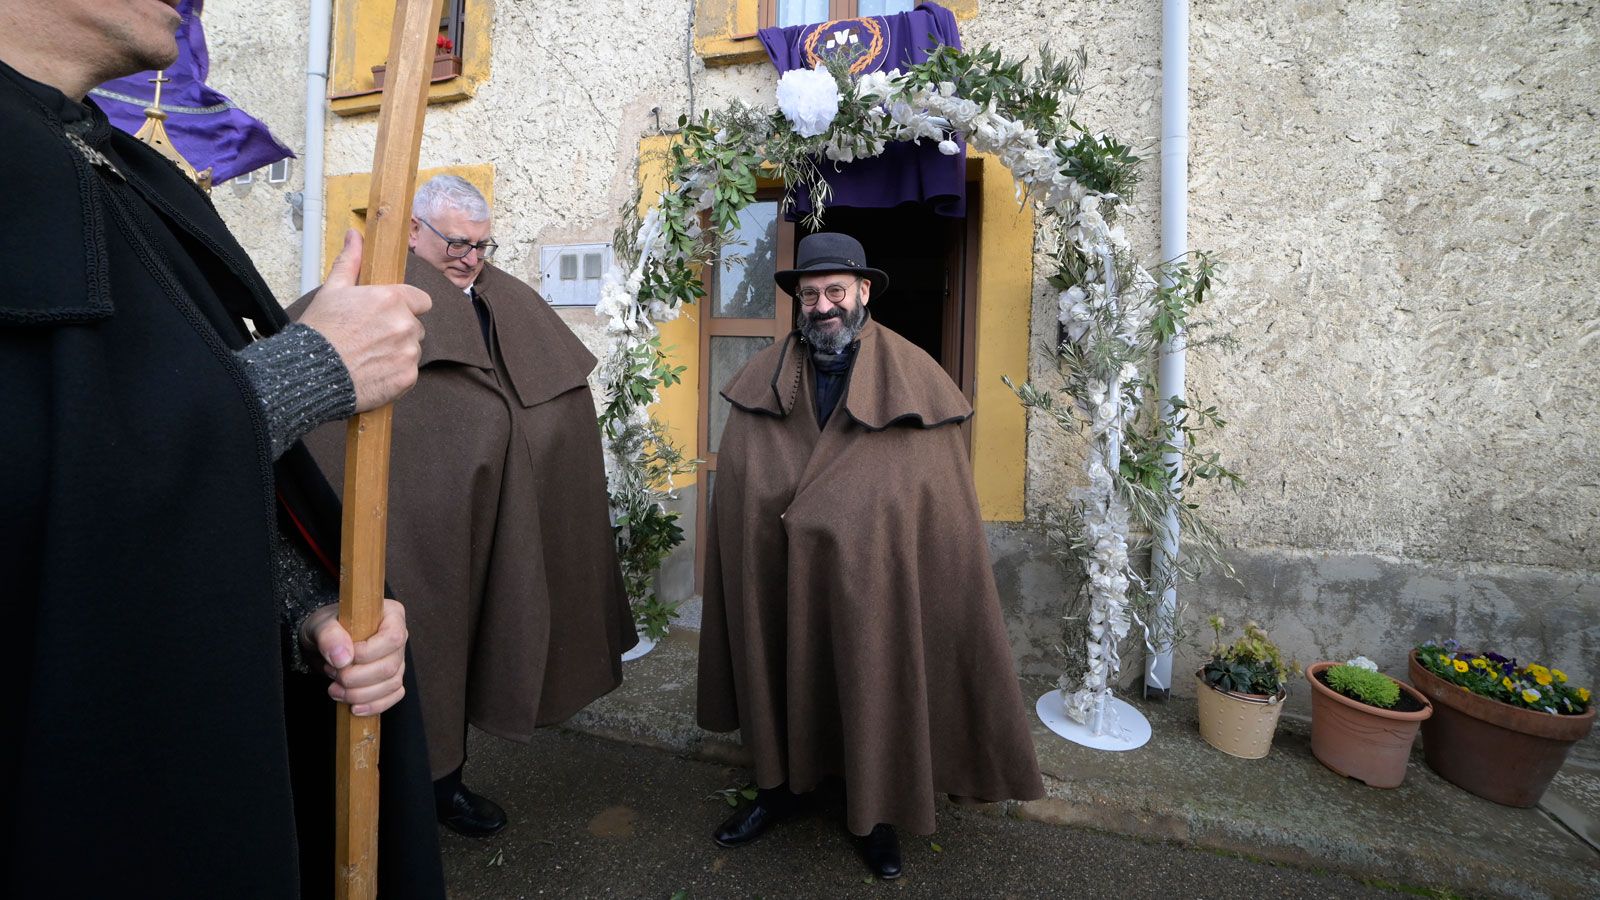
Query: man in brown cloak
{"x": 500, "y": 536}
{"x": 852, "y": 627}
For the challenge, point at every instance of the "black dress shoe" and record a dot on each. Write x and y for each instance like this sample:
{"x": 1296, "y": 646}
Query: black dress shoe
{"x": 771, "y": 806}
{"x": 473, "y": 815}
{"x": 882, "y": 849}
{"x": 745, "y": 825}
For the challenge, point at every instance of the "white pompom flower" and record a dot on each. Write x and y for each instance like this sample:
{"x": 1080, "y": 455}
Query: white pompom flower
{"x": 809, "y": 99}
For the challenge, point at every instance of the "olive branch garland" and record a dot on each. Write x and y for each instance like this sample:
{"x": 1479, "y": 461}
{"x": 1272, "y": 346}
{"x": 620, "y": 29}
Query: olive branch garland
{"x": 1114, "y": 313}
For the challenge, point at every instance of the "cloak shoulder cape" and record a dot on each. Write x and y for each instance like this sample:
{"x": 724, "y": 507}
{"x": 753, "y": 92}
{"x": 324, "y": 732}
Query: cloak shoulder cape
{"x": 851, "y": 624}
{"x": 500, "y": 540}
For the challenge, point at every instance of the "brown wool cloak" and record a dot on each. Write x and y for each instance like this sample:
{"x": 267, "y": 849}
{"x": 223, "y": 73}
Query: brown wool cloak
{"x": 852, "y": 626}
{"x": 500, "y": 542}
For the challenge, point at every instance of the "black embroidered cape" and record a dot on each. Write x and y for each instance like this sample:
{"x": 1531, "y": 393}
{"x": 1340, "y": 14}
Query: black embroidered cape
{"x": 154, "y": 743}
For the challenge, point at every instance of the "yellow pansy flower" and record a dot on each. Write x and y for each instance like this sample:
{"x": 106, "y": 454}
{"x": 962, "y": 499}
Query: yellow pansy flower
{"x": 1560, "y": 675}
{"x": 1443, "y": 658}
{"x": 1583, "y": 694}
{"x": 1461, "y": 666}
{"x": 1530, "y": 695}
{"x": 1543, "y": 678}
{"x": 1536, "y": 669}
{"x": 1479, "y": 663}
{"x": 1506, "y": 683}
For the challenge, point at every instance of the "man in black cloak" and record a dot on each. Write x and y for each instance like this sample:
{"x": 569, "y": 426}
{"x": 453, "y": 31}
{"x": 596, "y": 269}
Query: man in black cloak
{"x": 166, "y": 542}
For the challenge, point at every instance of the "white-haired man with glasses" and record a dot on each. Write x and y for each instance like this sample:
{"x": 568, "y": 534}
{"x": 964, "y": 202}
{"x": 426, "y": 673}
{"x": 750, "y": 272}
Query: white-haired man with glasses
{"x": 499, "y": 530}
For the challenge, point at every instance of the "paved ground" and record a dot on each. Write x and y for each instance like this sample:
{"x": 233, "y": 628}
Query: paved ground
{"x": 594, "y": 818}
{"x": 1286, "y": 808}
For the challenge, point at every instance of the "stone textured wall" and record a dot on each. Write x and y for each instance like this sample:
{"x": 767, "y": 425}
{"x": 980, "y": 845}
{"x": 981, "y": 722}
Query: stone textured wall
{"x": 258, "y": 58}
{"x": 1404, "y": 196}
{"x": 1407, "y": 197}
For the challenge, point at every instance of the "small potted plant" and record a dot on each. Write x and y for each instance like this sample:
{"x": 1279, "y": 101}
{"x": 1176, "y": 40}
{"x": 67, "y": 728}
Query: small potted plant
{"x": 1241, "y": 690}
{"x": 1363, "y": 722}
{"x": 446, "y": 63}
{"x": 1500, "y": 729}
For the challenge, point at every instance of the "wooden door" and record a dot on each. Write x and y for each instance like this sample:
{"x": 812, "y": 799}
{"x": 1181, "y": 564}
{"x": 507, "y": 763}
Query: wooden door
{"x": 743, "y": 312}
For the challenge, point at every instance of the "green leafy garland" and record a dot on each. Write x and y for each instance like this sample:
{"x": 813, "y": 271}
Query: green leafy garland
{"x": 1076, "y": 181}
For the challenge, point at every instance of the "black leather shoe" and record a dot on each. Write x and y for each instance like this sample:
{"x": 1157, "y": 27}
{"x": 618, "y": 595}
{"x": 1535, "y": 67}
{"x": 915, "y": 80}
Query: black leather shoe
{"x": 473, "y": 815}
{"x": 747, "y": 824}
{"x": 882, "y": 849}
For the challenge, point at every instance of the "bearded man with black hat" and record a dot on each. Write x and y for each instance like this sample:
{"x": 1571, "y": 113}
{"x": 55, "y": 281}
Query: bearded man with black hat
{"x": 852, "y": 627}
{"x": 167, "y": 544}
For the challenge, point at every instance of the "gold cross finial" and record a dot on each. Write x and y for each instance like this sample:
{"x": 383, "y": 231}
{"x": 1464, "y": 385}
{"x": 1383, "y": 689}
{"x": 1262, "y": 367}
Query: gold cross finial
{"x": 154, "y": 133}
{"x": 158, "y": 81}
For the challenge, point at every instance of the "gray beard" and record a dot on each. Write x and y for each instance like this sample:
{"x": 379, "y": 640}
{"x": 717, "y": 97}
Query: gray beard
{"x": 833, "y": 341}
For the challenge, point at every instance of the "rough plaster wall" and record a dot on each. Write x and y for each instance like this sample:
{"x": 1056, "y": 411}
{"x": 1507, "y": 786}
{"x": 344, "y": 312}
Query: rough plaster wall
{"x": 258, "y": 59}
{"x": 1406, "y": 197}
{"x": 1406, "y": 205}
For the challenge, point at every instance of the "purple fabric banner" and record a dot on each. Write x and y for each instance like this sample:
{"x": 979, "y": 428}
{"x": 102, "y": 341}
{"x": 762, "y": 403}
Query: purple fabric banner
{"x": 905, "y": 172}
{"x": 205, "y": 126}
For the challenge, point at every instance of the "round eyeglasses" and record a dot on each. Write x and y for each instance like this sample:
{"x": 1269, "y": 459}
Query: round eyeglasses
{"x": 458, "y": 249}
{"x": 834, "y": 292}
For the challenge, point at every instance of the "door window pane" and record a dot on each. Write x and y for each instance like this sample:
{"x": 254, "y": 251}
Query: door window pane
{"x": 801, "y": 12}
{"x": 884, "y": 7}
{"x": 728, "y": 356}
{"x": 745, "y": 264}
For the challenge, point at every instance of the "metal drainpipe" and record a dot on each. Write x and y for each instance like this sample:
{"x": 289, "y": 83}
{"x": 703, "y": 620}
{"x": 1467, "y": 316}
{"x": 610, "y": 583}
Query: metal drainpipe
{"x": 1174, "y": 244}
{"x": 321, "y": 20}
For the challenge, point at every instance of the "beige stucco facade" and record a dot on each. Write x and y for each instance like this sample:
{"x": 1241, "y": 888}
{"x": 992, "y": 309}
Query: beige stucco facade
{"x": 1405, "y": 199}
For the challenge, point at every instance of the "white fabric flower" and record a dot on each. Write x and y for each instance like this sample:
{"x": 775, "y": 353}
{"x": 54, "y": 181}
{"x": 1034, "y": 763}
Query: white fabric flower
{"x": 809, "y": 99}
{"x": 875, "y": 84}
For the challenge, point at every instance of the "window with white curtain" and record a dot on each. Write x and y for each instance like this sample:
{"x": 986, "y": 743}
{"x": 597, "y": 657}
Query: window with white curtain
{"x": 810, "y": 12}
{"x": 801, "y": 12}
{"x": 883, "y": 7}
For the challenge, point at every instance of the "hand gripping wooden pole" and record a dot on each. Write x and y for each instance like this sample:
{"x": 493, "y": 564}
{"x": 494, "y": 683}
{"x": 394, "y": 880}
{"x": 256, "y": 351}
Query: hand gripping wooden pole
{"x": 366, "y": 482}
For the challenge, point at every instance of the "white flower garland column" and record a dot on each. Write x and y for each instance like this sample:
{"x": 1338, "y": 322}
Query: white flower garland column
{"x": 1109, "y": 604}
{"x": 1105, "y": 519}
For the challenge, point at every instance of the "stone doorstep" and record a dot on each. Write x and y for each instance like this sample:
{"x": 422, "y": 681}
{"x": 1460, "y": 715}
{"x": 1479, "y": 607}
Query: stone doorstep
{"x": 1286, "y": 808}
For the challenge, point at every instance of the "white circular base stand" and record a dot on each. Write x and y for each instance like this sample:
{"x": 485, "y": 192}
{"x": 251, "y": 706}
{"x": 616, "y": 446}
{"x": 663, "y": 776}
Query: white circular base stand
{"x": 1126, "y": 727}
{"x": 644, "y": 646}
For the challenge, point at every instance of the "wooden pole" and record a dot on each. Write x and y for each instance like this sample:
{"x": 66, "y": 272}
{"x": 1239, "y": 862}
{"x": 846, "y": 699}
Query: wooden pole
{"x": 366, "y": 483}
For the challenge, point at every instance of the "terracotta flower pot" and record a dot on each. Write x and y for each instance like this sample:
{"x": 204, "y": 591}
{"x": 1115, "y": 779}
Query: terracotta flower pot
{"x": 1363, "y": 742}
{"x": 1498, "y": 751}
{"x": 1239, "y": 725}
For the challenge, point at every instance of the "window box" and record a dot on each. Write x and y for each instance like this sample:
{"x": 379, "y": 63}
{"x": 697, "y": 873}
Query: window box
{"x": 445, "y": 67}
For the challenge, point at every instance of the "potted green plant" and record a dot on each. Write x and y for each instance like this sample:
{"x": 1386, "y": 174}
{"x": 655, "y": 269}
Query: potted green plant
{"x": 1363, "y": 722}
{"x": 1241, "y": 691}
{"x": 1500, "y": 729}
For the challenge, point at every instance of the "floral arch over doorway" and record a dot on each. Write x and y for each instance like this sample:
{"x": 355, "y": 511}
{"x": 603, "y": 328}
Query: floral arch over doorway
{"x": 1114, "y": 313}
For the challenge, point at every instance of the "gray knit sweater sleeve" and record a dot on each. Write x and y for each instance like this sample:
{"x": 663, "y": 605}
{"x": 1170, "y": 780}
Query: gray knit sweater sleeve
{"x": 301, "y": 587}
{"x": 300, "y": 382}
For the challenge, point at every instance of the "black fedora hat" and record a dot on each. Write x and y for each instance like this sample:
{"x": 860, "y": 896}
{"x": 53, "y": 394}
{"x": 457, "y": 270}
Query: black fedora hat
{"x": 828, "y": 251}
